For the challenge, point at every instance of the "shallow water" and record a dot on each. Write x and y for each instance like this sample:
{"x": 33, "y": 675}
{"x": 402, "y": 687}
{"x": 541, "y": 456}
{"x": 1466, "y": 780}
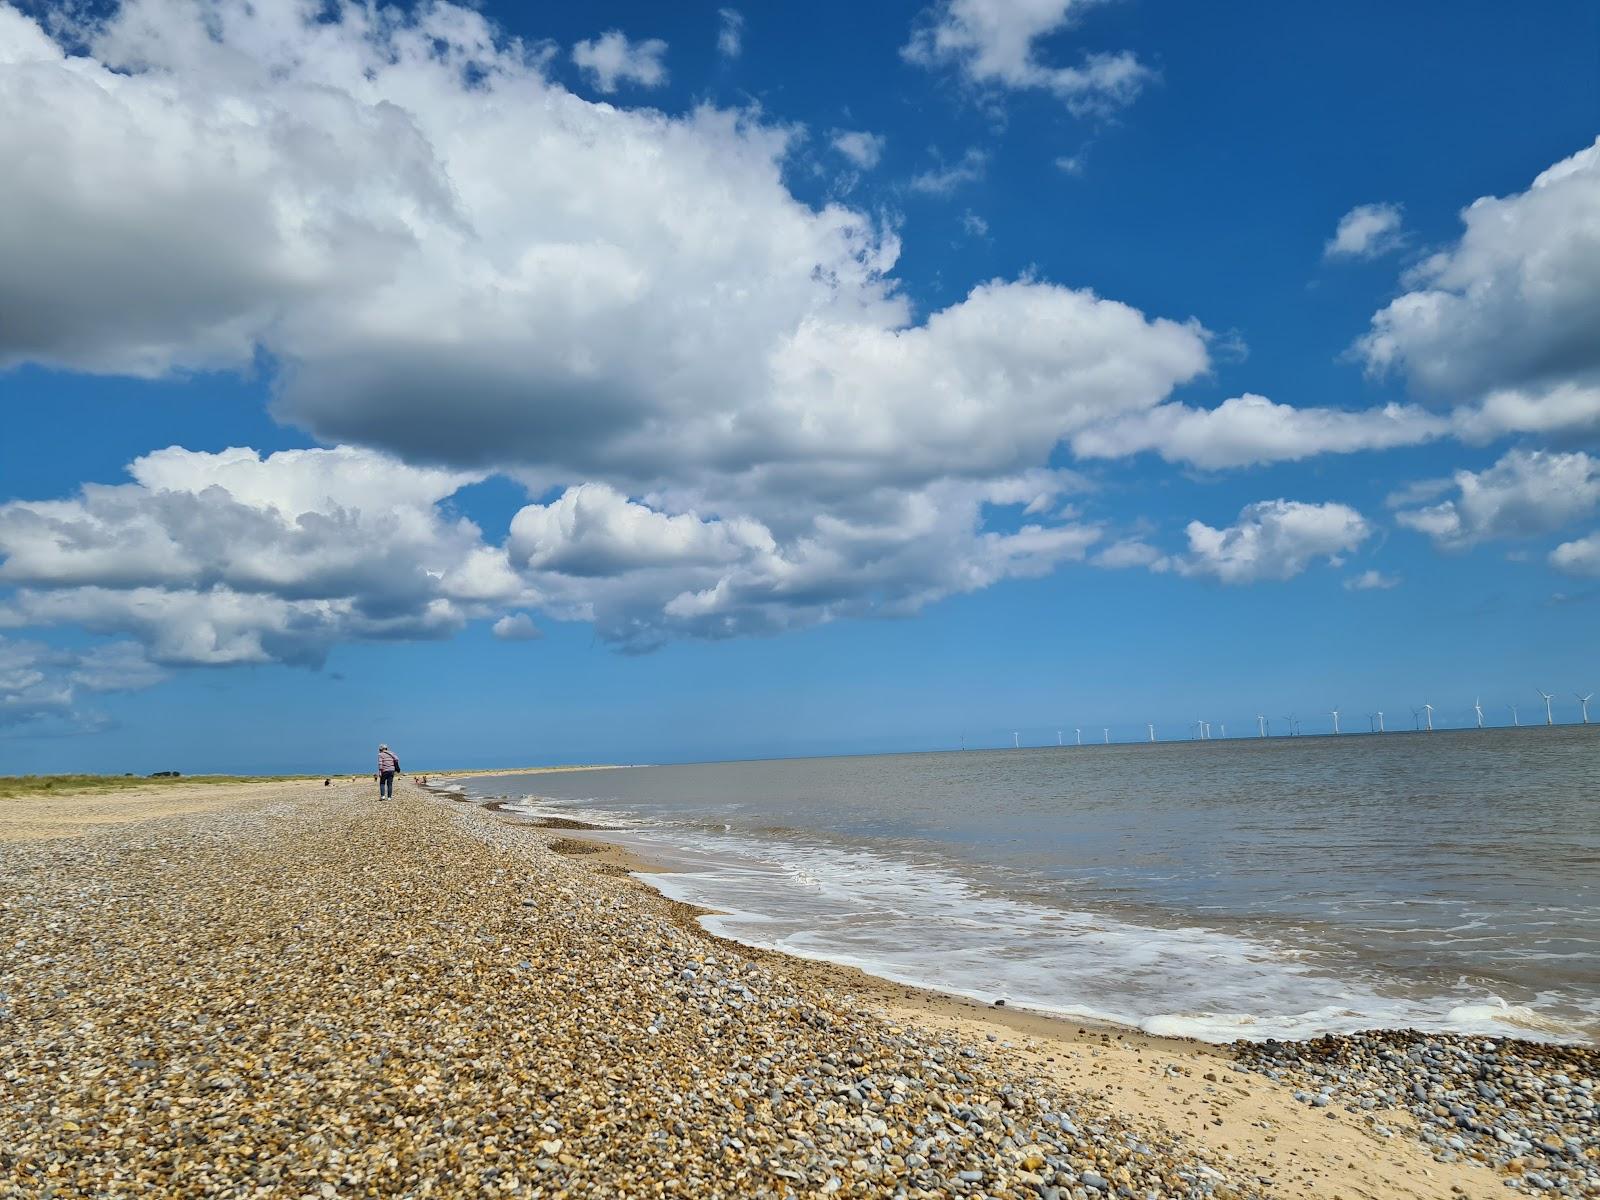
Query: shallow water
{"x": 1242, "y": 888}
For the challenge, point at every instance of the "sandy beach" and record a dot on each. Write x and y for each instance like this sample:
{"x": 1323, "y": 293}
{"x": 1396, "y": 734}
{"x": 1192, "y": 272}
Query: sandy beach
{"x": 281, "y": 989}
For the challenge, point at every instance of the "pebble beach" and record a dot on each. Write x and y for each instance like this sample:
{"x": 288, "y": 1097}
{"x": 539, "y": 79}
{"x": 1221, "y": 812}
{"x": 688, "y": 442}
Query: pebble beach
{"x": 297, "y": 991}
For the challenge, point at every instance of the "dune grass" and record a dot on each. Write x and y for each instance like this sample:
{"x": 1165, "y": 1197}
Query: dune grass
{"x": 37, "y": 785}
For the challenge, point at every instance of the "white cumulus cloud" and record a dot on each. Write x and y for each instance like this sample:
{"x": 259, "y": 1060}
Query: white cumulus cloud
{"x": 516, "y": 627}
{"x": 642, "y": 574}
{"x": 1504, "y": 320}
{"x": 863, "y": 149}
{"x": 592, "y": 530}
{"x": 1366, "y": 231}
{"x": 993, "y": 44}
{"x": 1563, "y": 410}
{"x": 1525, "y": 494}
{"x": 1249, "y": 429}
{"x": 1578, "y": 557}
{"x": 612, "y": 59}
{"x": 1371, "y": 581}
{"x": 601, "y": 293}
{"x": 1272, "y": 539}
{"x": 730, "y": 417}
{"x": 233, "y": 557}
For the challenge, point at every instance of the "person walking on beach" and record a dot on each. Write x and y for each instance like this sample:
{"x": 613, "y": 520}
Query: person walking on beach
{"x": 388, "y": 766}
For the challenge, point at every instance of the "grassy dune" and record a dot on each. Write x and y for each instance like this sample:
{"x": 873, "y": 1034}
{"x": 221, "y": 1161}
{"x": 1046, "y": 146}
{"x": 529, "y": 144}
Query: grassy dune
{"x": 37, "y": 785}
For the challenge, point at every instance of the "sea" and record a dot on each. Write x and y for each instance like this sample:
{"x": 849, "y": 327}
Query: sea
{"x": 1220, "y": 889}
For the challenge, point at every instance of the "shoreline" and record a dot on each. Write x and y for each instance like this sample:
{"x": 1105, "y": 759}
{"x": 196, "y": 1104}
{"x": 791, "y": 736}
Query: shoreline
{"x": 296, "y": 983}
{"x": 1151, "y": 1071}
{"x": 1055, "y": 1044}
{"x": 656, "y": 858}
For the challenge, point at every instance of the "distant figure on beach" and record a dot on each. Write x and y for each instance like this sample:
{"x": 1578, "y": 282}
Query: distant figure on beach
{"x": 388, "y": 765}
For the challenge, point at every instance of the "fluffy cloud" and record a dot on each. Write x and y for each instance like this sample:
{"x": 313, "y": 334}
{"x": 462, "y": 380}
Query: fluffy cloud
{"x": 1273, "y": 539}
{"x": 731, "y": 417}
{"x": 642, "y": 575}
{"x": 1250, "y": 429}
{"x": 860, "y": 147}
{"x": 1525, "y": 494}
{"x": 592, "y": 530}
{"x": 231, "y": 557}
{"x": 516, "y": 627}
{"x": 1580, "y": 557}
{"x": 612, "y": 59}
{"x": 1563, "y": 410}
{"x": 730, "y": 34}
{"x": 219, "y": 559}
{"x": 992, "y": 43}
{"x": 1371, "y": 581}
{"x": 42, "y": 685}
{"x": 1366, "y": 231}
{"x": 1511, "y": 309}
{"x": 600, "y": 293}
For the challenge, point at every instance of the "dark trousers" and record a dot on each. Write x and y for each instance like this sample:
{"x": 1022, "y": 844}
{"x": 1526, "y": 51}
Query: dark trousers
{"x": 385, "y": 784}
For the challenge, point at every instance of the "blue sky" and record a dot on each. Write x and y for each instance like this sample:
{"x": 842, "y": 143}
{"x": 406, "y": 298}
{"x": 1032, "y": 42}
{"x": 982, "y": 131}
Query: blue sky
{"x": 640, "y": 383}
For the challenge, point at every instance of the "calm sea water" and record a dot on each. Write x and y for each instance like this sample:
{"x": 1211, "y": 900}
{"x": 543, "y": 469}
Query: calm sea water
{"x": 1220, "y": 889}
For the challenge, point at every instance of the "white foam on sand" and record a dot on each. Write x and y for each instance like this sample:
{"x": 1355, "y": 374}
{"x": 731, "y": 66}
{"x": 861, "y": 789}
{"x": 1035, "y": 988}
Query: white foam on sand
{"x": 923, "y": 924}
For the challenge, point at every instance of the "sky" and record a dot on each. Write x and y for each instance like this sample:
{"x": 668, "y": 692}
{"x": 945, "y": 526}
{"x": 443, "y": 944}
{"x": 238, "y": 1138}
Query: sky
{"x": 526, "y": 384}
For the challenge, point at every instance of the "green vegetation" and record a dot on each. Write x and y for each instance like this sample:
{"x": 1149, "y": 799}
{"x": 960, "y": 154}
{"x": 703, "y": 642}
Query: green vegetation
{"x": 38, "y": 785}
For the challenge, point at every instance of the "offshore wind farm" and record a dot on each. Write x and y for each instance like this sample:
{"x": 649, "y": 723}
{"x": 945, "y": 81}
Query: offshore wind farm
{"x": 1290, "y": 725}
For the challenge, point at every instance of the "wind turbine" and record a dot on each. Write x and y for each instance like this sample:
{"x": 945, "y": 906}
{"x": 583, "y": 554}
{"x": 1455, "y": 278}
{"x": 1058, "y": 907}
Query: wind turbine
{"x": 1291, "y": 722}
{"x": 1515, "y": 723}
{"x": 1429, "y": 709}
{"x": 1079, "y": 732}
{"x": 1548, "y": 719}
{"x": 1261, "y": 724}
{"x": 1224, "y": 733}
{"x": 1335, "y": 721}
{"x": 1416, "y": 720}
{"x": 1058, "y": 737}
{"x": 1583, "y": 701}
{"x": 1477, "y": 707}
{"x": 1151, "y": 727}
{"x": 1107, "y": 733}
{"x": 1016, "y": 740}
{"x": 1381, "y": 729}
{"x": 1372, "y": 722}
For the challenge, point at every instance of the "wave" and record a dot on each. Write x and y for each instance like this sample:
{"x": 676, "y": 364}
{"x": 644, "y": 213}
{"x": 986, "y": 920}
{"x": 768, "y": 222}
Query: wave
{"x": 926, "y": 923}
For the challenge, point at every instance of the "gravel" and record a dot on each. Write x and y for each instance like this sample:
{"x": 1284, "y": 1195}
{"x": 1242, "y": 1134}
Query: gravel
{"x": 1529, "y": 1110}
{"x": 328, "y": 997}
